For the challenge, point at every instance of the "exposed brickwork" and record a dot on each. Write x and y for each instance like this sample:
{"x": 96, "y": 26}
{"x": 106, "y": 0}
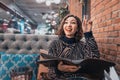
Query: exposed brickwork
{"x": 105, "y": 15}
{"x": 108, "y": 22}
{"x": 108, "y": 29}
{"x": 75, "y": 8}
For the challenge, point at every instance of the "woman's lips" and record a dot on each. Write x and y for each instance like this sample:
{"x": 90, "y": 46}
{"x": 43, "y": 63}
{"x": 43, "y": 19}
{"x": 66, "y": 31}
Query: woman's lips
{"x": 68, "y": 30}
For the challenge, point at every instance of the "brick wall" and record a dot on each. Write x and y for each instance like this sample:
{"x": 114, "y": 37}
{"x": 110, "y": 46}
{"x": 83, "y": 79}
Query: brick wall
{"x": 105, "y": 15}
{"x": 75, "y": 8}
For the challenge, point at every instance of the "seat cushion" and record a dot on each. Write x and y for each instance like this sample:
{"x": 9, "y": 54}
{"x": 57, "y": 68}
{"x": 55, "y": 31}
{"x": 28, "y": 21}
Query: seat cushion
{"x": 11, "y": 61}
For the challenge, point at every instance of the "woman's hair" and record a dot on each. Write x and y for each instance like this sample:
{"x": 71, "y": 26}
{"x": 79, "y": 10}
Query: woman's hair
{"x": 78, "y": 34}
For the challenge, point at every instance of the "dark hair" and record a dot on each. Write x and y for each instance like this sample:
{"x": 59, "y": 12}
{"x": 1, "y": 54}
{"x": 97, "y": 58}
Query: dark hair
{"x": 79, "y": 33}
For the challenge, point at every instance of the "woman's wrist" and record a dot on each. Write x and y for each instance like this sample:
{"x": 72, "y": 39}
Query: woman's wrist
{"x": 88, "y": 34}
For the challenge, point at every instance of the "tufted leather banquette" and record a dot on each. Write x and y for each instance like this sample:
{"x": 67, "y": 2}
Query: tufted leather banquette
{"x": 25, "y": 43}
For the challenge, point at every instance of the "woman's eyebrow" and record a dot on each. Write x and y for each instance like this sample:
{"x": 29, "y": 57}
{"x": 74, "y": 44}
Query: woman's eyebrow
{"x": 71, "y": 20}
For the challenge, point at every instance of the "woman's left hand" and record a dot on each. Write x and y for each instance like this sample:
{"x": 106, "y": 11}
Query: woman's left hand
{"x": 87, "y": 25}
{"x": 67, "y": 68}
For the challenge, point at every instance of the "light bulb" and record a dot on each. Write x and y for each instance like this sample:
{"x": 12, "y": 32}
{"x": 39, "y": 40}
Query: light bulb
{"x": 40, "y": 1}
{"x": 57, "y": 1}
{"x": 48, "y": 3}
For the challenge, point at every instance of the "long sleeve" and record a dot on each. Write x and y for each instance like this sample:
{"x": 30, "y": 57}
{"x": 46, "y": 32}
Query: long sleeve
{"x": 91, "y": 43}
{"x": 53, "y": 48}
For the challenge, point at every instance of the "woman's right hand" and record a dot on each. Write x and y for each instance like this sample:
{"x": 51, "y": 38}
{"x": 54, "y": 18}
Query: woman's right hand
{"x": 87, "y": 25}
{"x": 67, "y": 68}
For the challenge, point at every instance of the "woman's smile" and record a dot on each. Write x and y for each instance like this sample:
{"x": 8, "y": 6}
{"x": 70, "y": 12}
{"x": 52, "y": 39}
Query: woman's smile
{"x": 70, "y": 27}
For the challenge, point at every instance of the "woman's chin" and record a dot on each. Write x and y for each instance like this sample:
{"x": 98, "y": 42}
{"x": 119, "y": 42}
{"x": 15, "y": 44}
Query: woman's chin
{"x": 69, "y": 36}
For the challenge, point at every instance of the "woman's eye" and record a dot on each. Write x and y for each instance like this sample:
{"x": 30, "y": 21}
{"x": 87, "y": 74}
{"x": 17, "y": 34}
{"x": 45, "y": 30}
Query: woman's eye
{"x": 65, "y": 22}
{"x": 73, "y": 22}
{"x": 70, "y": 22}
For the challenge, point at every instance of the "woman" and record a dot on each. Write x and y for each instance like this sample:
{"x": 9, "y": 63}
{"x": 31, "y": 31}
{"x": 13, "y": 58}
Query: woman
{"x": 69, "y": 45}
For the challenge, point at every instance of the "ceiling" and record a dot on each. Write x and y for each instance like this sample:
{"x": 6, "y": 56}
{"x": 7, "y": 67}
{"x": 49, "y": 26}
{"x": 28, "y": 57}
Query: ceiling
{"x": 33, "y": 10}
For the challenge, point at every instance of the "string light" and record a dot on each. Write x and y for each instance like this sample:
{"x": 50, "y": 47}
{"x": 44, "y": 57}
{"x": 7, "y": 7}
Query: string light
{"x": 48, "y": 2}
{"x": 56, "y": 1}
{"x": 40, "y": 1}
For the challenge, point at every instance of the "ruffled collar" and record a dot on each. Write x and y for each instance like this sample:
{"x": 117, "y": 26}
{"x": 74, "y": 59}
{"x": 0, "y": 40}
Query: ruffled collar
{"x": 68, "y": 40}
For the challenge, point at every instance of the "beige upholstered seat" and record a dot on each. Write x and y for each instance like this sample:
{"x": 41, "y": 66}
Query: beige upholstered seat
{"x": 25, "y": 43}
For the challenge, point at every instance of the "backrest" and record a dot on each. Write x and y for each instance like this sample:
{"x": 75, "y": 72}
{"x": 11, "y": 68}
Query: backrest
{"x": 25, "y": 43}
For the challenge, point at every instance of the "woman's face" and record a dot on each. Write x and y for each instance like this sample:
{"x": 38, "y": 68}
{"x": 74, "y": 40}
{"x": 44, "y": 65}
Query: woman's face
{"x": 70, "y": 27}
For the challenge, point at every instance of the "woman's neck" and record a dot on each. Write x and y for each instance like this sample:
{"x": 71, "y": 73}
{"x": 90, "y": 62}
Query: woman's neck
{"x": 69, "y": 36}
{"x": 68, "y": 40}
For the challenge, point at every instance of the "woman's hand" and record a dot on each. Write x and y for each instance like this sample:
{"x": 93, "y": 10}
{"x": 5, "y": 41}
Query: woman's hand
{"x": 87, "y": 25}
{"x": 67, "y": 68}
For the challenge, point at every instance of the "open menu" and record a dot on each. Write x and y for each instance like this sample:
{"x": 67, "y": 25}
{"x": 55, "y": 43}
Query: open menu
{"x": 84, "y": 63}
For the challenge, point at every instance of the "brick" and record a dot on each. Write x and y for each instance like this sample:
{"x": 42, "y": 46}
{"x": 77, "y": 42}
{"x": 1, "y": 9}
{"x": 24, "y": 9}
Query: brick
{"x": 96, "y": 39}
{"x": 117, "y": 27}
{"x": 105, "y": 46}
{"x": 110, "y": 58}
{"x": 106, "y": 2}
{"x": 112, "y": 47}
{"x": 103, "y": 24}
{"x": 113, "y": 53}
{"x": 105, "y": 40}
{"x": 108, "y": 22}
{"x": 119, "y": 33}
{"x": 103, "y": 18}
{"x": 110, "y": 28}
{"x": 107, "y": 51}
{"x": 102, "y": 56}
{"x": 99, "y": 45}
{"x": 97, "y": 35}
{"x": 107, "y": 11}
{"x": 118, "y": 53}
{"x": 118, "y": 14}
{"x": 100, "y": 40}
{"x": 116, "y": 21}
{"x": 111, "y": 3}
{"x": 108, "y": 16}
{"x": 94, "y": 31}
{"x": 117, "y": 40}
{"x": 100, "y": 29}
{"x": 101, "y": 49}
{"x": 96, "y": 26}
{"x": 96, "y": 2}
{"x": 115, "y": 14}
{"x": 110, "y": 40}
{"x": 115, "y": 7}
{"x": 106, "y": 29}
{"x": 118, "y": 48}
{"x": 100, "y": 7}
{"x": 113, "y": 34}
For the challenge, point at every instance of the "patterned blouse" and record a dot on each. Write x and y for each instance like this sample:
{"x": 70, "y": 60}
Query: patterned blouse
{"x": 69, "y": 48}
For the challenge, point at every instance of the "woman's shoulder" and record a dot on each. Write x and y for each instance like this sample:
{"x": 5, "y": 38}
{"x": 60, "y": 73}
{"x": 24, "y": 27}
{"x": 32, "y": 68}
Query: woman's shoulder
{"x": 56, "y": 41}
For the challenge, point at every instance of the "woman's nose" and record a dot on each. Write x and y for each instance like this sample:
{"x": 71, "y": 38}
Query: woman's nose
{"x": 69, "y": 24}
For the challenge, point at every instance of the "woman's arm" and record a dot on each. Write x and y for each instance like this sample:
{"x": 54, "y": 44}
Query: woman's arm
{"x": 91, "y": 44}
